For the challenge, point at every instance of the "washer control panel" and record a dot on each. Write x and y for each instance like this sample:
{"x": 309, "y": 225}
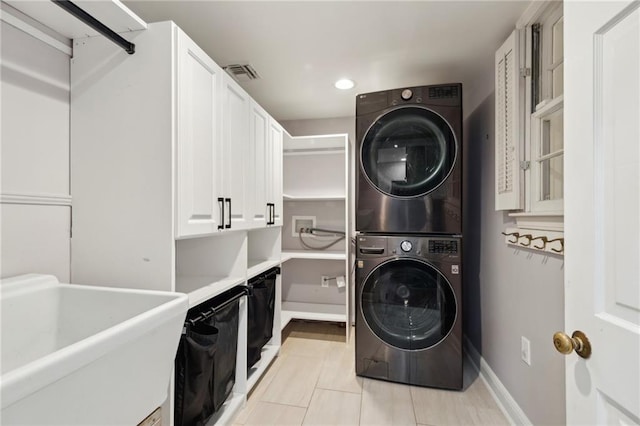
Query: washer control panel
{"x": 434, "y": 247}
{"x": 443, "y": 246}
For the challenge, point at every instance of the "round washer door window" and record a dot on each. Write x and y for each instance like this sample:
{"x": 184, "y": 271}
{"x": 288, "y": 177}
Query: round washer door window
{"x": 408, "y": 152}
{"x": 408, "y": 304}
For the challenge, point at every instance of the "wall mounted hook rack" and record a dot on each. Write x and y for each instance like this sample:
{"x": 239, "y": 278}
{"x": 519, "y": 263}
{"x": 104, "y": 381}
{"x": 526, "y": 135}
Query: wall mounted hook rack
{"x": 535, "y": 239}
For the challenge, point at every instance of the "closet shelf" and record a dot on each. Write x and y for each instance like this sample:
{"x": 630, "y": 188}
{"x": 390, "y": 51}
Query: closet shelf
{"x": 316, "y": 143}
{"x": 312, "y": 152}
{"x": 312, "y": 311}
{"x": 310, "y": 254}
{"x": 202, "y": 288}
{"x": 313, "y": 197}
{"x": 256, "y": 267}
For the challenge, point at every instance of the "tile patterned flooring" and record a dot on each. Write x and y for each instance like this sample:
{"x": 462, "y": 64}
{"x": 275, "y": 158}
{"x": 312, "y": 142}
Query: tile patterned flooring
{"x": 313, "y": 382}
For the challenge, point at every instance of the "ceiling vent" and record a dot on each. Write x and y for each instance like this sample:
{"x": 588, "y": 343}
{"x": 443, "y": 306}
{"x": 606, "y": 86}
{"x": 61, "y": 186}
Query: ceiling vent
{"x": 242, "y": 72}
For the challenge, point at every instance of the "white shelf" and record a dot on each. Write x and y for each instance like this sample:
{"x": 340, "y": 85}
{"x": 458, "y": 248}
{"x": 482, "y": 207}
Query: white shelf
{"x": 315, "y": 143}
{"x": 316, "y": 172}
{"x": 202, "y": 288}
{"x": 310, "y": 254}
{"x": 312, "y": 152}
{"x": 229, "y": 409}
{"x": 311, "y": 197}
{"x": 312, "y": 311}
{"x": 268, "y": 354}
{"x": 256, "y": 267}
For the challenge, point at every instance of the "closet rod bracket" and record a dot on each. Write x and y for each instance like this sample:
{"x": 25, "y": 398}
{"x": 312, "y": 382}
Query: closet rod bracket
{"x": 79, "y": 13}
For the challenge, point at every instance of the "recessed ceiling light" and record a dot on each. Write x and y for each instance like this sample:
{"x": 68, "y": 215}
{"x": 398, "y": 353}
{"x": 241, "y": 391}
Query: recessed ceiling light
{"x": 345, "y": 84}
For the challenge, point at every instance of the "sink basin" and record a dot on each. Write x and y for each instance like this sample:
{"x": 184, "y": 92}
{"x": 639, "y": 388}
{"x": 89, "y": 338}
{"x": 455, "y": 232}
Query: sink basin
{"x": 85, "y": 355}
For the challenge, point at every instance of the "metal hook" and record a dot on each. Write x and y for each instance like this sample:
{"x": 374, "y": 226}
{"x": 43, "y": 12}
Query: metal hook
{"x": 527, "y": 236}
{"x": 544, "y": 242}
{"x": 515, "y": 234}
{"x": 561, "y": 240}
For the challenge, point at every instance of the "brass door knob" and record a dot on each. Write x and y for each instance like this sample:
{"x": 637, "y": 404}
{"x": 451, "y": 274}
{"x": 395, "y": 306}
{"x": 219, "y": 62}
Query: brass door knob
{"x": 578, "y": 342}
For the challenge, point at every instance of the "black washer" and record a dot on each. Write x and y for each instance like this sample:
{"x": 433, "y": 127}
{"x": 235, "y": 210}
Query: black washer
{"x": 408, "y": 304}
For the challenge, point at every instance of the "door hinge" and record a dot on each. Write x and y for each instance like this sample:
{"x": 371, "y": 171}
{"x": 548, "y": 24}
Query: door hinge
{"x": 525, "y": 72}
{"x": 524, "y": 165}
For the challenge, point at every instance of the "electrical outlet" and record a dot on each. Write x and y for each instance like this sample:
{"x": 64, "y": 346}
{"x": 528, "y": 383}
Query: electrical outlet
{"x": 324, "y": 281}
{"x": 525, "y": 350}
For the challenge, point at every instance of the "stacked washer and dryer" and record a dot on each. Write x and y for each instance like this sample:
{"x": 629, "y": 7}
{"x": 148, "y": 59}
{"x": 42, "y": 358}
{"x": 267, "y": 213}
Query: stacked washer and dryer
{"x": 409, "y": 225}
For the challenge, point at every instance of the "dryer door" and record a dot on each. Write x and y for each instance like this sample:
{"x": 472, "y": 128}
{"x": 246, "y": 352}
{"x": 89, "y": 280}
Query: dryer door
{"x": 408, "y": 152}
{"x": 408, "y": 304}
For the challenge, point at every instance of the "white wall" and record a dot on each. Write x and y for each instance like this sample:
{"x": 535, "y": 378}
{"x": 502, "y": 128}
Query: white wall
{"x": 36, "y": 203}
{"x": 509, "y": 293}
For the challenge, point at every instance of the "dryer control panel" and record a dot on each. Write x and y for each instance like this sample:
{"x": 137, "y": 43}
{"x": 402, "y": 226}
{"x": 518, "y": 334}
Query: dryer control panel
{"x": 443, "y": 246}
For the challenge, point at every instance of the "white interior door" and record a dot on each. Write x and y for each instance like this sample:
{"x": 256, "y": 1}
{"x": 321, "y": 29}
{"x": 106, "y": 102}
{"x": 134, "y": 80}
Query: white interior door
{"x": 602, "y": 209}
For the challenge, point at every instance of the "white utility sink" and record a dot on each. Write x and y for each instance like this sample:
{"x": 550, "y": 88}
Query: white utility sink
{"x": 84, "y": 355}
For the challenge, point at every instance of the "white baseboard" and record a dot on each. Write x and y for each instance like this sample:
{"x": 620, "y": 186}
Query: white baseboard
{"x": 503, "y": 398}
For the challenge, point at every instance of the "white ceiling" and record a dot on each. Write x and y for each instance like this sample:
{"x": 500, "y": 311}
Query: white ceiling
{"x": 300, "y": 48}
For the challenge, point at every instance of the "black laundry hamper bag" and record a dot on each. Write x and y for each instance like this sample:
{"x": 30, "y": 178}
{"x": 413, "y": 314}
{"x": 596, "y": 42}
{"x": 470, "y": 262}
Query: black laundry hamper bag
{"x": 194, "y": 375}
{"x": 260, "y": 309}
{"x": 205, "y": 366}
{"x": 225, "y": 320}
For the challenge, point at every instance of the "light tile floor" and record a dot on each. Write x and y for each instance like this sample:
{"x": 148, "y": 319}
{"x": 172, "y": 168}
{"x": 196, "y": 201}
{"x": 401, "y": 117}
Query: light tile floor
{"x": 313, "y": 382}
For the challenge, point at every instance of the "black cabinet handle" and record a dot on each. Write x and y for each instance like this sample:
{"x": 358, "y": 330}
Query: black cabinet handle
{"x": 273, "y": 214}
{"x": 228, "y": 201}
{"x": 268, "y": 213}
{"x": 270, "y": 220}
{"x": 221, "y": 223}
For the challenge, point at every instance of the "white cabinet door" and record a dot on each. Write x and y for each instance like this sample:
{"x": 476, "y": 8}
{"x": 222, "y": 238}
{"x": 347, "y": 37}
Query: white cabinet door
{"x": 602, "y": 209}
{"x": 198, "y": 209}
{"x": 274, "y": 172}
{"x": 258, "y": 140}
{"x": 237, "y": 174}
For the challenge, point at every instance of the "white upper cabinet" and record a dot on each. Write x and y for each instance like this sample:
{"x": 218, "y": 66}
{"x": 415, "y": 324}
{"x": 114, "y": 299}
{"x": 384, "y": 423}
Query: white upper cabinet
{"x": 199, "y": 80}
{"x": 236, "y": 173}
{"x": 274, "y": 173}
{"x": 258, "y": 140}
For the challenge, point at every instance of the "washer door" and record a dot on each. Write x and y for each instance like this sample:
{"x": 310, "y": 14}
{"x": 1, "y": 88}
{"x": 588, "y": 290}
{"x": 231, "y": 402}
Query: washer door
{"x": 408, "y": 152}
{"x": 408, "y": 304}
